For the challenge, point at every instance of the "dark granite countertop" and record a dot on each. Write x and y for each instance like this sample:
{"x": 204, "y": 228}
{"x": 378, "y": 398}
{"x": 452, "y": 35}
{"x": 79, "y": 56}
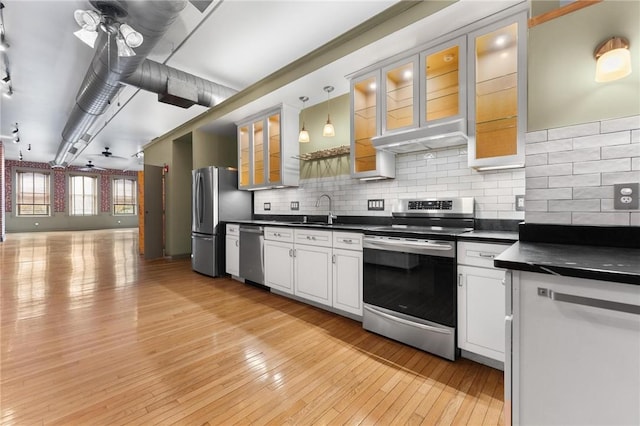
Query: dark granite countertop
{"x": 489, "y": 236}
{"x": 310, "y": 225}
{"x": 614, "y": 264}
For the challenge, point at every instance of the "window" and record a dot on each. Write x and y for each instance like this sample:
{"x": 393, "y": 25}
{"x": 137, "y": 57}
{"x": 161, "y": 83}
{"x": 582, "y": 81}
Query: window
{"x": 33, "y": 194}
{"x": 124, "y": 196}
{"x": 83, "y": 192}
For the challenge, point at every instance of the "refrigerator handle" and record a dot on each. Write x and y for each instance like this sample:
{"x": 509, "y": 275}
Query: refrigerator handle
{"x": 200, "y": 203}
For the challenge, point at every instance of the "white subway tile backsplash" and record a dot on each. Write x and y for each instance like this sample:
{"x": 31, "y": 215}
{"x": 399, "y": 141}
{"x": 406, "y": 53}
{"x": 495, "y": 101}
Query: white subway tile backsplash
{"x": 574, "y": 156}
{"x": 621, "y": 151}
{"x": 619, "y": 219}
{"x": 592, "y": 179}
{"x": 548, "y": 194}
{"x": 550, "y": 170}
{"x": 601, "y": 166}
{"x": 624, "y": 177}
{"x": 533, "y": 137}
{"x": 537, "y": 159}
{"x": 607, "y": 139}
{"x": 551, "y": 146}
{"x": 574, "y": 131}
{"x": 574, "y": 206}
{"x": 600, "y": 155}
{"x": 617, "y": 124}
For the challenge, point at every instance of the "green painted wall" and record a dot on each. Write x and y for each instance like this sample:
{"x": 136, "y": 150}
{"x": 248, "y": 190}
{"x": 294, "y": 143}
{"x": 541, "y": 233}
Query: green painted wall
{"x": 315, "y": 117}
{"x": 178, "y": 226}
{"x": 561, "y": 88}
{"x": 214, "y": 150}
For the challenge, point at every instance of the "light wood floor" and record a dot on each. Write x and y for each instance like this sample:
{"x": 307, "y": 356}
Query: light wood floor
{"x": 93, "y": 334}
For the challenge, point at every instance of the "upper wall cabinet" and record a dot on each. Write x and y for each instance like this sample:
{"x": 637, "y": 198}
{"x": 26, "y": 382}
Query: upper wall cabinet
{"x": 268, "y": 149}
{"x": 443, "y": 83}
{"x": 366, "y": 161}
{"x": 497, "y": 108}
{"x": 400, "y": 90}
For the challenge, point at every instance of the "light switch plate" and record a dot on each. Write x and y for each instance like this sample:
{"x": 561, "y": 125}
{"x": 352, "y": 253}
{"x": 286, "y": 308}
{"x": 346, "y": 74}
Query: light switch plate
{"x": 295, "y": 205}
{"x": 625, "y": 196}
{"x": 375, "y": 204}
{"x": 519, "y": 203}
{"x": 267, "y": 206}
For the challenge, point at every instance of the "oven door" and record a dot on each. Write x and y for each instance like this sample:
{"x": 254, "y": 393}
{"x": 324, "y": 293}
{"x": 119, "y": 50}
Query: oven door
{"x": 411, "y": 277}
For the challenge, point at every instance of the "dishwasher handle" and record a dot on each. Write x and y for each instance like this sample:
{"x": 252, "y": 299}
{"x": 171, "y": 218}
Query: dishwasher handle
{"x": 252, "y": 229}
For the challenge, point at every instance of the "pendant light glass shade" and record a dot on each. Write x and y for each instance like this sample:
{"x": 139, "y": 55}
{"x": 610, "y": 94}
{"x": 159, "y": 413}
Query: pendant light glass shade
{"x": 613, "y": 60}
{"x": 328, "y": 130}
{"x": 303, "y": 137}
{"x": 131, "y": 37}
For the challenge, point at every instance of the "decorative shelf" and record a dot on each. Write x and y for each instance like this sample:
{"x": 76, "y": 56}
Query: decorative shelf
{"x": 325, "y": 153}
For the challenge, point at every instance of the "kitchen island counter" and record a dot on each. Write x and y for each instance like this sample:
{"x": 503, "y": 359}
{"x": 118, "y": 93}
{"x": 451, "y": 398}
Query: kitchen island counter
{"x": 614, "y": 264}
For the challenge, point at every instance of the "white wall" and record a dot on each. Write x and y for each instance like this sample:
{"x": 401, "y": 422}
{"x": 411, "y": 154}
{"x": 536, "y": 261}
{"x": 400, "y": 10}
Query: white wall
{"x": 445, "y": 175}
{"x": 570, "y": 172}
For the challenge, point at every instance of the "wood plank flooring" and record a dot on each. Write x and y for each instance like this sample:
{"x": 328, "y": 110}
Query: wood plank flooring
{"x": 92, "y": 333}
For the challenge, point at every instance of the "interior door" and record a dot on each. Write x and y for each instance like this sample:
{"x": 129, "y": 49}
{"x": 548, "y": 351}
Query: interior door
{"x": 153, "y": 212}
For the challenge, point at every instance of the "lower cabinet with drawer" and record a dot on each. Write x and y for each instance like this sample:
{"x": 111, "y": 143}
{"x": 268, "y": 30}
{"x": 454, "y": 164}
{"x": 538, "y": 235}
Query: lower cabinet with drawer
{"x": 320, "y": 266}
{"x": 481, "y": 301}
{"x": 232, "y": 249}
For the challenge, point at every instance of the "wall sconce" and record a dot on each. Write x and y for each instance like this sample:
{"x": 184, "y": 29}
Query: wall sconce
{"x": 613, "y": 59}
{"x": 328, "y": 130}
{"x": 303, "y": 137}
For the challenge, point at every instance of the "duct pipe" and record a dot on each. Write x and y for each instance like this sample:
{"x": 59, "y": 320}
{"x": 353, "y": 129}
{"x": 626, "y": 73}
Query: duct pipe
{"x": 152, "y": 76}
{"x": 152, "y": 18}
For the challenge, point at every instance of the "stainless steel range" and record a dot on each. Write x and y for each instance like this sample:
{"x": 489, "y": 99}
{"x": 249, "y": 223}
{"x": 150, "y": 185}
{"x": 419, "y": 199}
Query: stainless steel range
{"x": 409, "y": 277}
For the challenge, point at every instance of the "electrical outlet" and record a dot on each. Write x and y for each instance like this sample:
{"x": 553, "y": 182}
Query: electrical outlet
{"x": 375, "y": 204}
{"x": 267, "y": 206}
{"x": 519, "y": 203}
{"x": 295, "y": 205}
{"x": 625, "y": 196}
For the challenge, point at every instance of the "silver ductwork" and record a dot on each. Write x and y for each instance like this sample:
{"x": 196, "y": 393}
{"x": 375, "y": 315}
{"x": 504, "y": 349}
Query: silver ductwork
{"x": 107, "y": 72}
{"x": 155, "y": 77}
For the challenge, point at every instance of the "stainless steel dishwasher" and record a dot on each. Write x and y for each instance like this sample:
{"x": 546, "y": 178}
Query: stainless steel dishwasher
{"x": 252, "y": 253}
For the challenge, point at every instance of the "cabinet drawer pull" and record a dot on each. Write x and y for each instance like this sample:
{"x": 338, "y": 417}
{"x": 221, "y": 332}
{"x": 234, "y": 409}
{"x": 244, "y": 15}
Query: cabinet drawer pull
{"x": 460, "y": 280}
{"x": 346, "y": 241}
{"x": 487, "y": 255}
{"x": 588, "y": 301}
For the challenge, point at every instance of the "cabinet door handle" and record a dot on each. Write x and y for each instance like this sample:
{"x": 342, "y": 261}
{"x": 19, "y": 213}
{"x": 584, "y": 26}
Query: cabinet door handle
{"x": 588, "y": 301}
{"x": 294, "y": 252}
{"x": 487, "y": 255}
{"x": 290, "y": 252}
{"x": 333, "y": 258}
{"x": 460, "y": 280}
{"x": 504, "y": 281}
{"x": 237, "y": 243}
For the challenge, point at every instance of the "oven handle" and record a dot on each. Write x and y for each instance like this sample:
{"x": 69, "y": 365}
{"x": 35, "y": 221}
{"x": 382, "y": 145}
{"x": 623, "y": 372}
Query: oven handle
{"x": 405, "y": 322}
{"x": 406, "y": 246}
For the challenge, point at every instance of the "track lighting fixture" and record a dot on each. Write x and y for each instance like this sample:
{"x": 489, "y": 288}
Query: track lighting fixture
{"x": 3, "y": 43}
{"x": 9, "y": 92}
{"x": 303, "y": 137}
{"x": 6, "y": 79}
{"x": 90, "y": 21}
{"x": 328, "y": 130}
{"x": 20, "y": 157}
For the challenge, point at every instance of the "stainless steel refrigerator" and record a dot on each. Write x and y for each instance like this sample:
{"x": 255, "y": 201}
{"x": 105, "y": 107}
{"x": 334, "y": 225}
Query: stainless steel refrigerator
{"x": 216, "y": 199}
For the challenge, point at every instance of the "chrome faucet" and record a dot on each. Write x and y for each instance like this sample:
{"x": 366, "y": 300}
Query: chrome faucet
{"x": 331, "y": 215}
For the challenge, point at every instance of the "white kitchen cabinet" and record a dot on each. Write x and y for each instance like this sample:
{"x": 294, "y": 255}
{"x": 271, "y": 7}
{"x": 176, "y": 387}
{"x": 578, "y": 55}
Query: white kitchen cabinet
{"x": 481, "y": 300}
{"x": 498, "y": 94}
{"x": 347, "y": 272}
{"x": 575, "y": 351}
{"x": 312, "y": 265}
{"x": 366, "y": 161}
{"x": 278, "y": 258}
{"x": 268, "y": 149}
{"x": 232, "y": 249}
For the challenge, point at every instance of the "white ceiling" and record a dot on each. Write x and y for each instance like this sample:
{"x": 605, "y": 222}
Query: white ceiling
{"x": 234, "y": 42}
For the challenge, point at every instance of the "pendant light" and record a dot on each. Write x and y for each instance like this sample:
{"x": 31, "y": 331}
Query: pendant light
{"x": 303, "y": 137}
{"x": 328, "y": 130}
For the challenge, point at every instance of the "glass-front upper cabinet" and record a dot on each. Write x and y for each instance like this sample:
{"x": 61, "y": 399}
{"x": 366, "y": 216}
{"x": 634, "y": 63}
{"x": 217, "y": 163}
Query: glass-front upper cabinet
{"x": 497, "y": 108}
{"x": 268, "y": 149}
{"x": 366, "y": 161}
{"x": 244, "y": 156}
{"x": 443, "y": 90}
{"x": 400, "y": 90}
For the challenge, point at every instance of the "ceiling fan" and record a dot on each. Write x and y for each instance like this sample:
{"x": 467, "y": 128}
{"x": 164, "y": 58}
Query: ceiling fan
{"x": 107, "y": 154}
{"x": 90, "y": 167}
{"x": 106, "y": 19}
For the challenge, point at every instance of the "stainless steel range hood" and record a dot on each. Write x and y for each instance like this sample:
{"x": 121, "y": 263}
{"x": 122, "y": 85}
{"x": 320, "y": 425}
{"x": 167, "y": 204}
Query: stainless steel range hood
{"x": 436, "y": 136}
